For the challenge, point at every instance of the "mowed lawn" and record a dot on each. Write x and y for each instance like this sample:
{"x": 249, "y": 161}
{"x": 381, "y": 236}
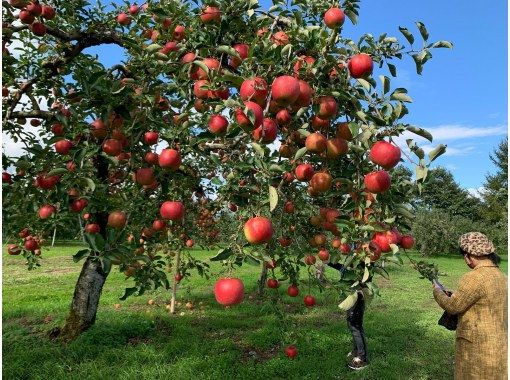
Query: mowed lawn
{"x": 140, "y": 341}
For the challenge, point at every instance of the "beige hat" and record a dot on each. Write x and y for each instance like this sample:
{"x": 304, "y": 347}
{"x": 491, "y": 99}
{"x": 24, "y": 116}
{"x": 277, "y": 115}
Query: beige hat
{"x": 476, "y": 244}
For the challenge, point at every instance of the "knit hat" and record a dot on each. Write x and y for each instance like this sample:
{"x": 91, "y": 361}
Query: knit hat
{"x": 476, "y": 244}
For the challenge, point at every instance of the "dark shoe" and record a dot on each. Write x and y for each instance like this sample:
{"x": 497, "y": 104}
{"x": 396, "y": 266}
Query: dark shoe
{"x": 357, "y": 363}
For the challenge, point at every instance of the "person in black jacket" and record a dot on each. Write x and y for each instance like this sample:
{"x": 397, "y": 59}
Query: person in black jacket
{"x": 358, "y": 356}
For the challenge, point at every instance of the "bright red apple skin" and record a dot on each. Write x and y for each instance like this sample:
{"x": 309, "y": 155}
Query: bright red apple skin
{"x": 316, "y": 142}
{"x": 218, "y": 124}
{"x": 285, "y": 90}
{"x": 328, "y": 107}
{"x": 336, "y": 147}
{"x": 407, "y": 242}
{"x": 293, "y": 290}
{"x": 385, "y": 154}
{"x": 212, "y": 64}
{"x": 309, "y": 300}
{"x": 304, "y": 98}
{"x": 98, "y": 129}
{"x": 92, "y": 228}
{"x": 13, "y": 249}
{"x": 321, "y": 182}
{"x": 31, "y": 245}
{"x": 243, "y": 119}
{"x": 63, "y": 146}
{"x": 48, "y": 12}
{"x": 254, "y": 90}
{"x": 78, "y": 205}
{"x": 144, "y": 176}
{"x": 291, "y": 352}
{"x": 117, "y": 219}
{"x": 123, "y": 19}
{"x": 272, "y": 283}
{"x": 173, "y": 210}
{"x": 35, "y": 8}
{"x": 229, "y": 291}
{"x": 334, "y": 18}
{"x": 283, "y": 117}
{"x": 151, "y": 158}
{"x": 112, "y": 147}
{"x": 258, "y": 230}
{"x": 345, "y": 248}
{"x": 38, "y": 28}
{"x": 304, "y": 172}
{"x": 305, "y": 61}
{"x": 360, "y": 65}
{"x": 151, "y": 137}
{"x": 158, "y": 225}
{"x": 6, "y": 177}
{"x": 381, "y": 239}
{"x": 170, "y": 158}
{"x": 270, "y": 130}
{"x": 242, "y": 49}
{"x": 377, "y": 182}
{"x": 46, "y": 211}
{"x": 210, "y": 15}
{"x": 188, "y": 57}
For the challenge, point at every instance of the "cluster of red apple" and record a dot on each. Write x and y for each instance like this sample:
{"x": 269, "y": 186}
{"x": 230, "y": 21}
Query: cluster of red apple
{"x": 30, "y": 243}
{"x": 29, "y": 11}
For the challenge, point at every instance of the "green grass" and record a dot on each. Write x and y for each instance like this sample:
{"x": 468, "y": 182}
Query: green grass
{"x": 139, "y": 341}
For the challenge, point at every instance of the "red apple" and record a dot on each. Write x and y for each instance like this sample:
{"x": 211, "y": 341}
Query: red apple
{"x": 310, "y": 260}
{"x": 304, "y": 172}
{"x": 385, "y": 154}
{"x": 304, "y": 98}
{"x": 321, "y": 182}
{"x": 242, "y": 49}
{"x": 46, "y": 211}
{"x": 272, "y": 283}
{"x": 31, "y": 245}
{"x": 173, "y": 210}
{"x": 407, "y": 242}
{"x": 336, "y": 147}
{"x": 254, "y": 90}
{"x": 112, "y": 147}
{"x": 6, "y": 178}
{"x": 258, "y": 230}
{"x": 285, "y": 90}
{"x": 188, "y": 57}
{"x": 151, "y": 158}
{"x": 283, "y": 117}
{"x": 210, "y": 15}
{"x": 293, "y": 290}
{"x": 117, "y": 219}
{"x": 316, "y": 142}
{"x": 26, "y": 17}
{"x": 212, "y": 64}
{"x": 280, "y": 38}
{"x": 179, "y": 32}
{"x": 218, "y": 124}
{"x": 151, "y": 137}
{"x": 328, "y": 107}
{"x": 92, "y": 228}
{"x": 360, "y": 65}
{"x": 98, "y": 129}
{"x": 334, "y": 18}
{"x": 200, "y": 90}
{"x": 291, "y": 352}
{"x": 13, "y": 249}
{"x": 170, "y": 158}
{"x": 377, "y": 182}
{"x": 63, "y": 146}
{"x": 38, "y": 28}
{"x": 35, "y": 8}
{"x": 345, "y": 248}
{"x": 123, "y": 19}
{"x": 144, "y": 176}
{"x": 269, "y": 130}
{"x": 158, "y": 225}
{"x": 78, "y": 205}
{"x": 303, "y": 61}
{"x": 229, "y": 291}
{"x": 243, "y": 120}
{"x": 48, "y": 12}
{"x": 134, "y": 9}
{"x": 309, "y": 300}
{"x": 323, "y": 255}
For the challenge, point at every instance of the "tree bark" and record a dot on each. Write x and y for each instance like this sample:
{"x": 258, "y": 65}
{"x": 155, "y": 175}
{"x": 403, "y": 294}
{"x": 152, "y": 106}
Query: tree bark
{"x": 85, "y": 300}
{"x": 262, "y": 280}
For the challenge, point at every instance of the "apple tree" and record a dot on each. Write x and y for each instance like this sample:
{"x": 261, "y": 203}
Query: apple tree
{"x": 270, "y": 116}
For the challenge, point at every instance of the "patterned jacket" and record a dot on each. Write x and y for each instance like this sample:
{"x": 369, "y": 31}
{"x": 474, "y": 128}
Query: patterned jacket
{"x": 481, "y": 338}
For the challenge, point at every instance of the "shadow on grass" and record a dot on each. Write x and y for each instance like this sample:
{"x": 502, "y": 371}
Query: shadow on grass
{"x": 243, "y": 341}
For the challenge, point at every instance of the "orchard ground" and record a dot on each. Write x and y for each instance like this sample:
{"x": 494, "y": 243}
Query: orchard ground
{"x": 141, "y": 341}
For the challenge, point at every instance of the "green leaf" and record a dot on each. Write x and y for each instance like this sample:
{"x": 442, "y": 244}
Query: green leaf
{"x": 364, "y": 83}
{"x": 153, "y": 47}
{"x": 418, "y": 62}
{"x": 90, "y": 184}
{"x": 128, "y": 292}
{"x": 385, "y": 82}
{"x": 95, "y": 242}
{"x": 57, "y": 171}
{"x": 421, "y": 173}
{"x": 222, "y": 254}
{"x": 442, "y": 44}
{"x": 394, "y": 248}
{"x": 407, "y": 34}
{"x": 300, "y": 153}
{"x": 258, "y": 149}
{"x": 436, "y": 152}
{"x": 249, "y": 259}
{"x": 423, "y": 31}
{"x": 402, "y": 210}
{"x": 401, "y": 94}
{"x": 81, "y": 254}
{"x": 228, "y": 50}
{"x": 349, "y": 301}
{"x": 393, "y": 70}
{"x": 286, "y": 50}
{"x": 273, "y": 198}
{"x": 420, "y": 132}
{"x": 202, "y": 65}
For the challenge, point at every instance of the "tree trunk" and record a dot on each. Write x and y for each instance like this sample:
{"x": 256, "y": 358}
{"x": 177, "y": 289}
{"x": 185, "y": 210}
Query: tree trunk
{"x": 85, "y": 300}
{"x": 262, "y": 280}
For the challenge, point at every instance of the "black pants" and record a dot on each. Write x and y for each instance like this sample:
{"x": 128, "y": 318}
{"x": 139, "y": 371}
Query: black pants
{"x": 355, "y": 323}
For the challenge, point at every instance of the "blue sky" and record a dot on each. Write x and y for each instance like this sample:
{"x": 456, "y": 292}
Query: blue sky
{"x": 462, "y": 96}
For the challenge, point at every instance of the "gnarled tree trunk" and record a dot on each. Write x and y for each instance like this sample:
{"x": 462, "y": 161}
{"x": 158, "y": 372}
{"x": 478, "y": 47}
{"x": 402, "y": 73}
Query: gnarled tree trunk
{"x": 85, "y": 300}
{"x": 262, "y": 280}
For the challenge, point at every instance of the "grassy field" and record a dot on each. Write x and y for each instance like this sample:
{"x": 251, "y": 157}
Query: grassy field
{"x": 138, "y": 341}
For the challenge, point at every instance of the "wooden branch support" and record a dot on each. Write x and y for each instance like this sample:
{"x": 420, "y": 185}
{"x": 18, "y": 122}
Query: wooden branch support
{"x": 174, "y": 288}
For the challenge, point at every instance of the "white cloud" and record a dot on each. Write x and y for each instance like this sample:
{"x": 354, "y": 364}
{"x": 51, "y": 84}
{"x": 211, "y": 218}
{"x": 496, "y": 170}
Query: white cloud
{"x": 450, "y": 151}
{"x": 476, "y": 192}
{"x": 457, "y": 132}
